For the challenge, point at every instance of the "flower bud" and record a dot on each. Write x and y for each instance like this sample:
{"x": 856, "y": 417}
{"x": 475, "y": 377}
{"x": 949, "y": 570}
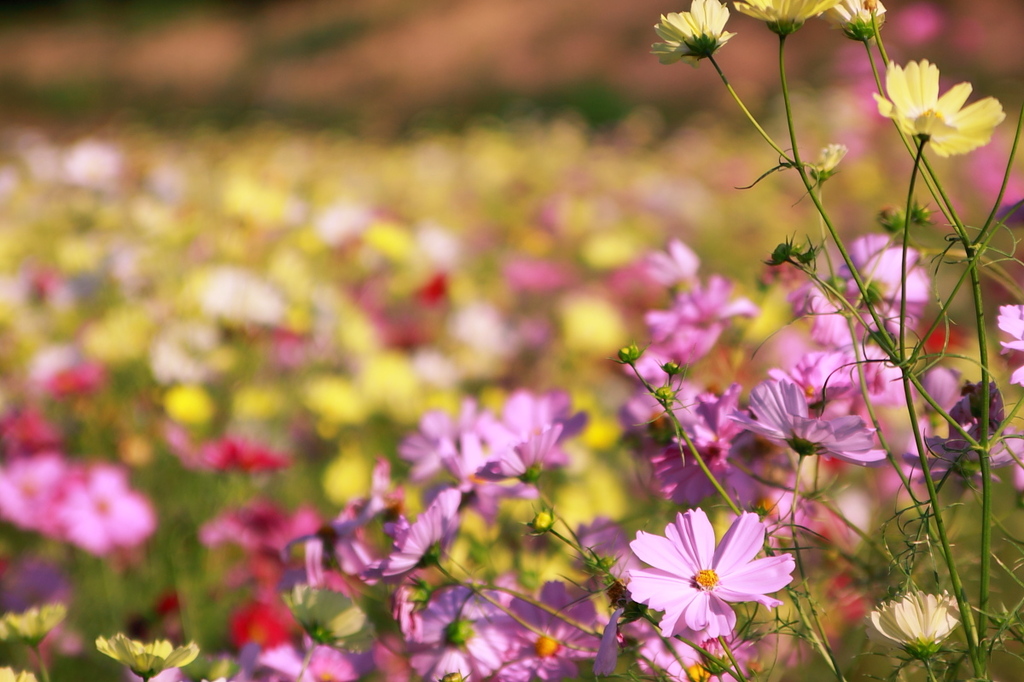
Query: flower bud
{"x": 629, "y": 354}
{"x": 542, "y": 522}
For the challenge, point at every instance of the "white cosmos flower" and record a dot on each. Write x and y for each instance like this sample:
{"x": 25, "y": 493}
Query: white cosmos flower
{"x": 918, "y": 622}
{"x": 694, "y": 35}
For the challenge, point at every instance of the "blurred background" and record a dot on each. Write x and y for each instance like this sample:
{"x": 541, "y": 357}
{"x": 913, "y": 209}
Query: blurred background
{"x": 386, "y": 66}
{"x": 304, "y": 223}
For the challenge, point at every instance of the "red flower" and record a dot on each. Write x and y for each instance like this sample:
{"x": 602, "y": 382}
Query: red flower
{"x": 233, "y": 453}
{"x": 261, "y": 623}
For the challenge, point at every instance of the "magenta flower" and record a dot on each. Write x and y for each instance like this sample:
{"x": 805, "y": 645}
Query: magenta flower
{"x": 233, "y": 453}
{"x": 693, "y": 582}
{"x": 780, "y": 409}
{"x": 1011, "y": 321}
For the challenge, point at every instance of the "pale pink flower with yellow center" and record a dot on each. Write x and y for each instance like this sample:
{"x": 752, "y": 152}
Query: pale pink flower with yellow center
{"x": 100, "y": 513}
{"x": 693, "y": 581}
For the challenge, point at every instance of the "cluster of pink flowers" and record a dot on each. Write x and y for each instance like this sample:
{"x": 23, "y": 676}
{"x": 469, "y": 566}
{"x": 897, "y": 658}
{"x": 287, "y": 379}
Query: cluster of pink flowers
{"x": 90, "y": 506}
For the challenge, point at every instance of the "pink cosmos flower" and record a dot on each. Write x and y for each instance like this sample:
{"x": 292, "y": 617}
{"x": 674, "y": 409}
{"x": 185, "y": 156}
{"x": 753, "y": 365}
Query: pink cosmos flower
{"x": 780, "y": 411}
{"x": 525, "y": 460}
{"x": 342, "y": 541}
{"x": 693, "y": 582}
{"x": 325, "y": 664}
{"x": 678, "y": 264}
{"x": 30, "y": 491}
{"x": 689, "y": 329}
{"x": 677, "y": 661}
{"x": 100, "y": 512}
{"x": 436, "y": 526}
{"x": 1011, "y": 321}
{"x": 438, "y": 438}
{"x": 706, "y": 419}
{"x": 463, "y": 446}
{"x": 459, "y": 633}
{"x": 824, "y": 376}
{"x": 551, "y": 655}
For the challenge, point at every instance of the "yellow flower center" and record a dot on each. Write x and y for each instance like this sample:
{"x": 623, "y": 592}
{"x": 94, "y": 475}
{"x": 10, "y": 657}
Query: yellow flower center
{"x": 698, "y": 673}
{"x": 706, "y": 579}
{"x": 546, "y": 647}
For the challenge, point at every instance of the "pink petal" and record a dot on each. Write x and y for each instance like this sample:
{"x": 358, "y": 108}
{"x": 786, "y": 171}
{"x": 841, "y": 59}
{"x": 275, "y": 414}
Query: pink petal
{"x": 694, "y": 537}
{"x": 660, "y": 589}
{"x": 740, "y": 544}
{"x": 756, "y": 579}
{"x": 662, "y": 553}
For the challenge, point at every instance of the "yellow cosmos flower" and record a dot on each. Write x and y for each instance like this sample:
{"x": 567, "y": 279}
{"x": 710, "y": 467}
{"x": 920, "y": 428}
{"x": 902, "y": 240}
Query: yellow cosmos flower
{"x": 31, "y": 627}
{"x": 915, "y": 105}
{"x": 147, "y": 659}
{"x": 691, "y": 36}
{"x": 785, "y": 16}
{"x": 9, "y": 675}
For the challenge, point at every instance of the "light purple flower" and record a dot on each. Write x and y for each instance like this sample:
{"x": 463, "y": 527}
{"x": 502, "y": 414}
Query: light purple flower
{"x": 679, "y": 265}
{"x": 824, "y": 376}
{"x": 439, "y": 437}
{"x": 693, "y": 582}
{"x": 459, "y": 633}
{"x": 436, "y": 526}
{"x": 1011, "y": 321}
{"x": 525, "y": 460}
{"x": 781, "y": 415}
{"x": 954, "y": 452}
{"x": 608, "y": 651}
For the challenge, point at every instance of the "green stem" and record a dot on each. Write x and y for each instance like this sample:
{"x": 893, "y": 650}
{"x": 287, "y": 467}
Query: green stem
{"x": 680, "y": 432}
{"x": 984, "y": 451}
{"x": 1006, "y": 179}
{"x": 940, "y": 528}
{"x": 809, "y": 186}
{"x": 43, "y": 672}
{"x": 732, "y": 659}
{"x": 743, "y": 108}
{"x": 906, "y": 244}
{"x": 305, "y": 661}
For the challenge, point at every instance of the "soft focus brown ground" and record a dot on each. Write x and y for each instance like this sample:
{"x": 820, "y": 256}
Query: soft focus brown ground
{"x": 383, "y": 61}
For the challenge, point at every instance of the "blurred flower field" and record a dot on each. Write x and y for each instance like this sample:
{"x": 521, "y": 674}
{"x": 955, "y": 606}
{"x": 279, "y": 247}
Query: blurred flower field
{"x": 214, "y": 344}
